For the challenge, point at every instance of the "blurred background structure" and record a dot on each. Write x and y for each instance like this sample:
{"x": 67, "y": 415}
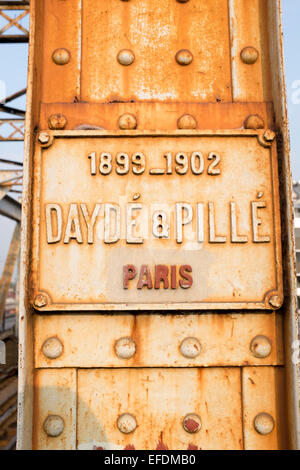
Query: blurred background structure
{"x": 14, "y": 36}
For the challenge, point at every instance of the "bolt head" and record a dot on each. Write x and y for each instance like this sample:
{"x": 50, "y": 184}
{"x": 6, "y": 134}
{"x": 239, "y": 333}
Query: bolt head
{"x": 61, "y": 56}
{"x": 184, "y": 57}
{"x": 190, "y": 348}
{"x": 192, "y": 423}
{"x": 261, "y": 347}
{"x": 187, "y": 122}
{"x": 40, "y": 301}
{"x": 254, "y": 121}
{"x": 269, "y": 135}
{"x": 54, "y": 426}
{"x": 126, "y": 57}
{"x": 44, "y": 138}
{"x": 249, "y": 55}
{"x": 264, "y": 424}
{"x": 57, "y": 121}
{"x": 126, "y": 423}
{"x": 275, "y": 301}
{"x": 52, "y": 348}
{"x": 125, "y": 348}
{"x": 127, "y": 121}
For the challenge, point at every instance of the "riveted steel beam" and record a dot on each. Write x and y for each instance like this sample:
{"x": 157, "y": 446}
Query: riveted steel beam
{"x": 10, "y": 208}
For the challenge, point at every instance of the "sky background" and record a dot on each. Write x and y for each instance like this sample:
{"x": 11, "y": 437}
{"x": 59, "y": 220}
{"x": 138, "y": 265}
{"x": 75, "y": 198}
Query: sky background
{"x": 13, "y": 72}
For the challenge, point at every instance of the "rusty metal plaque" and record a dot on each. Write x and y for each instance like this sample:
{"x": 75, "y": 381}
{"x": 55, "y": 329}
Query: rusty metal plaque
{"x": 156, "y": 221}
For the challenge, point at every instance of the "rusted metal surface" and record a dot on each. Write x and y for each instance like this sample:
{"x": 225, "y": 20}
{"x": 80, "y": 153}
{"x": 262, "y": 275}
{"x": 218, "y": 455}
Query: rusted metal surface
{"x": 94, "y": 215}
{"x": 265, "y": 424}
{"x": 162, "y": 116}
{"x": 155, "y": 31}
{"x": 224, "y": 340}
{"x": 55, "y": 409}
{"x": 168, "y": 398}
{"x": 251, "y": 79}
{"x": 234, "y": 85}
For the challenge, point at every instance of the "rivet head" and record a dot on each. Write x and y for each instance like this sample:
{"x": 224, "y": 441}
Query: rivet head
{"x": 249, "y": 55}
{"x": 187, "y": 122}
{"x": 125, "y": 348}
{"x": 52, "y": 348}
{"x": 264, "y": 424}
{"x": 184, "y": 57}
{"x": 190, "y": 347}
{"x": 126, "y": 57}
{"x": 275, "y": 301}
{"x": 44, "y": 138}
{"x": 127, "y": 122}
{"x": 254, "y": 121}
{"x": 40, "y": 301}
{"x": 269, "y": 135}
{"x": 57, "y": 121}
{"x": 192, "y": 423}
{"x": 61, "y": 56}
{"x": 53, "y": 426}
{"x": 261, "y": 347}
{"x": 126, "y": 423}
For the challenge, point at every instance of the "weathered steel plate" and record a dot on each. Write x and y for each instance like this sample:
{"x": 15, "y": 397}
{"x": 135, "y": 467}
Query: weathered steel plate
{"x": 137, "y": 220}
{"x": 168, "y": 396}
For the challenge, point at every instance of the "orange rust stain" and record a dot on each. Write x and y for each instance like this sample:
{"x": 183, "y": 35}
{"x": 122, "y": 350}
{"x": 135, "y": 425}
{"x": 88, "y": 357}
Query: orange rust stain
{"x": 161, "y": 445}
{"x": 129, "y": 447}
{"x": 193, "y": 447}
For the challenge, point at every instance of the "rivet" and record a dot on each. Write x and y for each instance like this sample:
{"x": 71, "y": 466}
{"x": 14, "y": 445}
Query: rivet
{"x": 254, "y": 121}
{"x": 187, "y": 122}
{"x": 182, "y": 1}
{"x": 53, "y": 426}
{"x": 190, "y": 348}
{"x": 57, "y": 121}
{"x": 192, "y": 423}
{"x": 184, "y": 57}
{"x": 127, "y": 121}
{"x": 61, "y": 56}
{"x": 125, "y": 348}
{"x": 52, "y": 348}
{"x": 275, "y": 301}
{"x": 126, "y": 57}
{"x": 249, "y": 55}
{"x": 40, "y": 301}
{"x": 44, "y": 138}
{"x": 264, "y": 424}
{"x": 126, "y": 423}
{"x": 269, "y": 135}
{"x": 261, "y": 346}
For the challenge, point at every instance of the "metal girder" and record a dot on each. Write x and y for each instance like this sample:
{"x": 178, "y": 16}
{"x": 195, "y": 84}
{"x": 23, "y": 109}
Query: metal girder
{"x": 10, "y": 208}
{"x": 13, "y": 111}
{"x": 14, "y": 96}
{"x": 9, "y": 268}
{"x": 8, "y": 176}
{"x": 23, "y": 6}
{"x": 17, "y": 130}
{"x": 11, "y": 162}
